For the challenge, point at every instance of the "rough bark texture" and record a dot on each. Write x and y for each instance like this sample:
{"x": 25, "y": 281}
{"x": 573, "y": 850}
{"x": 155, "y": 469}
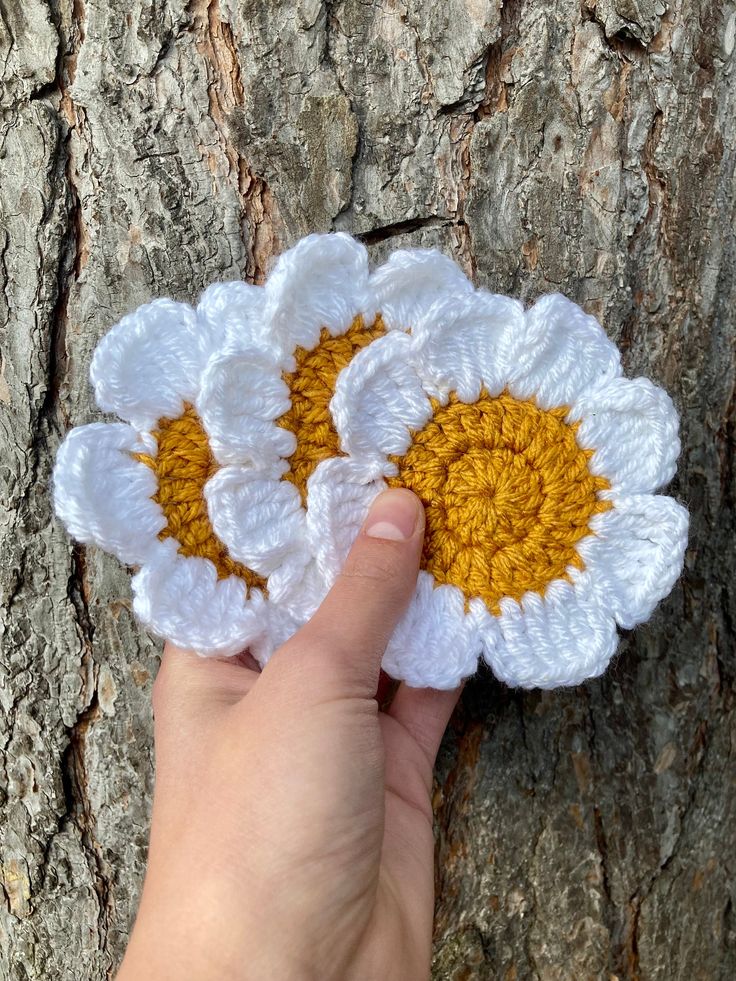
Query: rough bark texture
{"x": 150, "y": 148}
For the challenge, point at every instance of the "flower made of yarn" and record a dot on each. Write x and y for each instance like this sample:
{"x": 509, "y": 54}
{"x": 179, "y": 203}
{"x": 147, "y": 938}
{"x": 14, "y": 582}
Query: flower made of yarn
{"x": 259, "y": 426}
{"x": 537, "y": 464}
{"x": 225, "y": 412}
{"x": 137, "y": 488}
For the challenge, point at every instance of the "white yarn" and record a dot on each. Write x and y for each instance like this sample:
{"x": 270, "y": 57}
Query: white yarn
{"x": 233, "y": 314}
{"x": 228, "y": 358}
{"x": 240, "y": 396}
{"x": 379, "y": 399}
{"x": 634, "y": 554}
{"x": 477, "y": 347}
{"x": 182, "y": 600}
{"x": 435, "y": 644}
{"x": 411, "y": 281}
{"x": 545, "y": 642}
{"x": 632, "y": 425}
{"x": 96, "y": 480}
{"x": 561, "y": 353}
{"x": 258, "y": 516}
{"x": 150, "y": 363}
{"x": 321, "y": 282}
{"x": 340, "y": 492}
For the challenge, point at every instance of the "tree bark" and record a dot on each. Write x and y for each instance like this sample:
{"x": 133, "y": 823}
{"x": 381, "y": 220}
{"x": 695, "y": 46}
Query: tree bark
{"x": 582, "y": 146}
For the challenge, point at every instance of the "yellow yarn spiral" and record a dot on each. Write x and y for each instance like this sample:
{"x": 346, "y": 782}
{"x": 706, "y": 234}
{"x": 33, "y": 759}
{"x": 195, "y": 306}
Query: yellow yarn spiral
{"x": 312, "y": 385}
{"x": 507, "y": 494}
{"x": 183, "y": 464}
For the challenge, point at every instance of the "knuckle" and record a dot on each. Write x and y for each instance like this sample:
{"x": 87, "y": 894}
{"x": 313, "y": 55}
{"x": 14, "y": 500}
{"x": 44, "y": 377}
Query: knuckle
{"x": 325, "y": 649}
{"x": 375, "y": 563}
{"x": 317, "y": 644}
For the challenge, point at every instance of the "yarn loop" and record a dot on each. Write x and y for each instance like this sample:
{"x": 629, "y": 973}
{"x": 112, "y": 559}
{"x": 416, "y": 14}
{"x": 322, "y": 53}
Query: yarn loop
{"x": 183, "y": 463}
{"x": 507, "y": 494}
{"x": 311, "y": 387}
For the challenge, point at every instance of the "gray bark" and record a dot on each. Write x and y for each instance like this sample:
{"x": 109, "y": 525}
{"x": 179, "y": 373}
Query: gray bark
{"x": 150, "y": 148}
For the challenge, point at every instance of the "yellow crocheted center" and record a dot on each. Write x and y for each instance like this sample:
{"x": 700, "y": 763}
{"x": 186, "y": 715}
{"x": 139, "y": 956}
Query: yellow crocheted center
{"x": 312, "y": 385}
{"x": 507, "y": 494}
{"x": 183, "y": 464}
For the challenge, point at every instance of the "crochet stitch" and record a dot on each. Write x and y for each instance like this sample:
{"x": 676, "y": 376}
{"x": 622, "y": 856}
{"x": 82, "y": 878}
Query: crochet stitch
{"x": 183, "y": 463}
{"x": 311, "y": 385}
{"x": 507, "y": 495}
{"x": 260, "y": 425}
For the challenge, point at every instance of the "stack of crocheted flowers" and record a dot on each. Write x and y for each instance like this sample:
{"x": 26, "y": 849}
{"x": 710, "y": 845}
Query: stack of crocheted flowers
{"x": 259, "y": 426}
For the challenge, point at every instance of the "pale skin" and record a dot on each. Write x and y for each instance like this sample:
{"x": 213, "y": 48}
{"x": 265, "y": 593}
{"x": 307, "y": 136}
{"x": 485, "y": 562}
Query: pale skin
{"x": 291, "y": 835}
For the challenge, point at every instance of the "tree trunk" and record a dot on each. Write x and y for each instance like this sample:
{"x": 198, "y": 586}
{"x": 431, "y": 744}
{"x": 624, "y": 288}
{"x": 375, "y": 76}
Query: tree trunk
{"x": 582, "y": 146}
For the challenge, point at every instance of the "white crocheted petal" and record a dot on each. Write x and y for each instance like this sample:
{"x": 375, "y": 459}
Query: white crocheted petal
{"x": 633, "y": 427}
{"x": 463, "y": 344}
{"x": 241, "y": 396}
{"x": 379, "y": 399}
{"x": 406, "y": 286}
{"x": 339, "y": 493}
{"x": 234, "y": 312}
{"x": 635, "y": 554}
{"x": 151, "y": 362}
{"x": 258, "y": 516}
{"x": 435, "y": 644}
{"x": 556, "y": 640}
{"x": 181, "y": 599}
{"x": 321, "y": 282}
{"x": 560, "y": 353}
{"x": 103, "y": 495}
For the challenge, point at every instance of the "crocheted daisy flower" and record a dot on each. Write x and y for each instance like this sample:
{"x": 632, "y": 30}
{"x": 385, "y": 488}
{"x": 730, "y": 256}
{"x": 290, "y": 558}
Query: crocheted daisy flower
{"x": 225, "y": 413}
{"x": 137, "y": 488}
{"x": 537, "y": 464}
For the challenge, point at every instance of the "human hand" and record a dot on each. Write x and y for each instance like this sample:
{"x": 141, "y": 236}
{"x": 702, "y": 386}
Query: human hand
{"x": 291, "y": 834}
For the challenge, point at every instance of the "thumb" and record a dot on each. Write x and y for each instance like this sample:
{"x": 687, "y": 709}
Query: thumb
{"x": 339, "y": 651}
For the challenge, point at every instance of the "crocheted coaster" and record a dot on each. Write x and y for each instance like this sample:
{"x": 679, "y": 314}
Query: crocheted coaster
{"x": 260, "y": 425}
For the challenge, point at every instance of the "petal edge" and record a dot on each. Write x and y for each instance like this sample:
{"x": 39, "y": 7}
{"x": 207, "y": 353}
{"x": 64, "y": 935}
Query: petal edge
{"x": 104, "y": 495}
